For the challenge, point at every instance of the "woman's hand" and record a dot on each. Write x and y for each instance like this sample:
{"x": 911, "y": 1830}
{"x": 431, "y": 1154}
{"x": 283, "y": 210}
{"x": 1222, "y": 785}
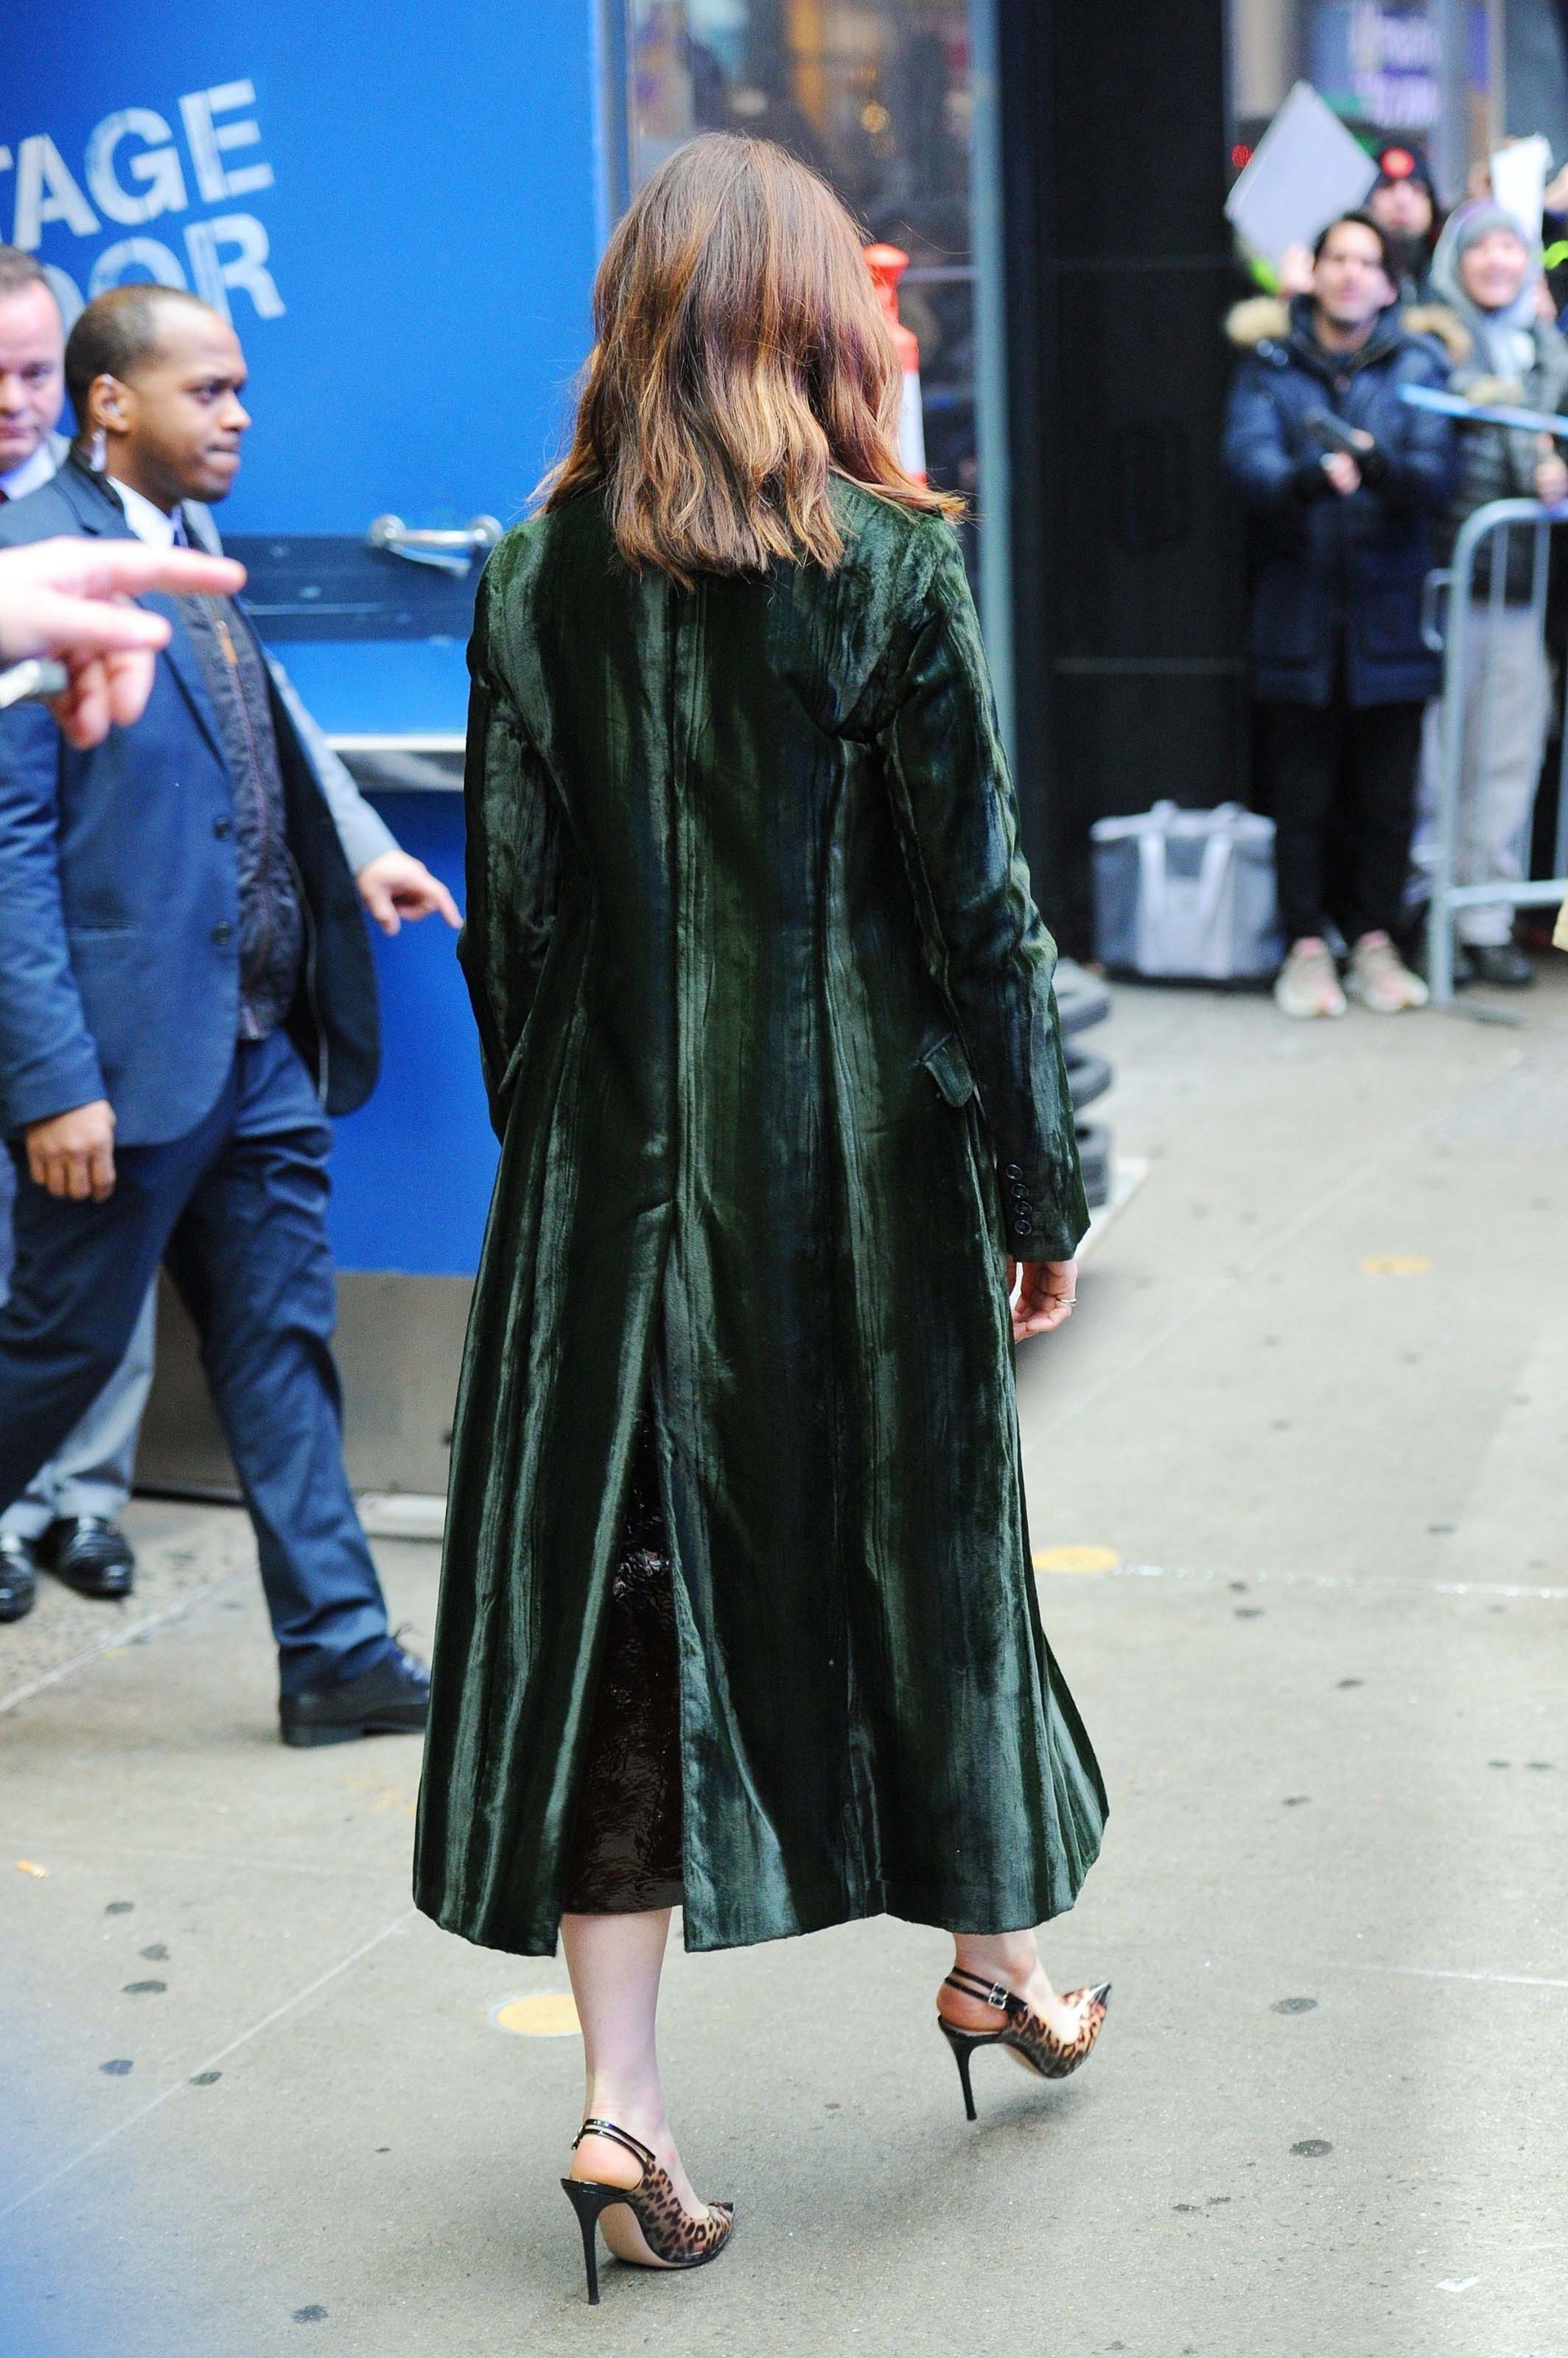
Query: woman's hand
{"x": 1045, "y": 1298}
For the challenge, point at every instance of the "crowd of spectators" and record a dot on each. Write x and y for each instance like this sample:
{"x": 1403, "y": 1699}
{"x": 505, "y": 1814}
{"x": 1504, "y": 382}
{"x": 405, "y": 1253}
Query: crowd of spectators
{"x": 1353, "y": 494}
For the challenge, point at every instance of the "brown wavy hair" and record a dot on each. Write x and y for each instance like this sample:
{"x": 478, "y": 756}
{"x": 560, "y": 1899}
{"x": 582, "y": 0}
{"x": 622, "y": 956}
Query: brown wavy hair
{"x": 740, "y": 362}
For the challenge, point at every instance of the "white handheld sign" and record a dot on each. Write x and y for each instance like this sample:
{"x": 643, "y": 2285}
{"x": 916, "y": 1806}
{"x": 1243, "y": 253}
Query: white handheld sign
{"x": 1305, "y": 171}
{"x": 1519, "y": 180}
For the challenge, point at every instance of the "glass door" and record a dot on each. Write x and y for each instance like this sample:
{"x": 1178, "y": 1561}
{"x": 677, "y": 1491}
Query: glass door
{"x": 890, "y": 100}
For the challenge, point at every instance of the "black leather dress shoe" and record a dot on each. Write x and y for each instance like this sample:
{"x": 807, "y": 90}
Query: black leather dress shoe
{"x": 18, "y": 1577}
{"x": 91, "y": 1554}
{"x": 391, "y": 1698}
{"x": 1502, "y": 964}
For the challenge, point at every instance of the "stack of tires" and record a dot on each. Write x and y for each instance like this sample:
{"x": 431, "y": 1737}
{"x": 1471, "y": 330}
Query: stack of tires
{"x": 1083, "y": 1001}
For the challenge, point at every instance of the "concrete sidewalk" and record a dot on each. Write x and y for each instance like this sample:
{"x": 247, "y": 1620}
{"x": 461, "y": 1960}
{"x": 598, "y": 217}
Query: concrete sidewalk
{"x": 1310, "y": 1419}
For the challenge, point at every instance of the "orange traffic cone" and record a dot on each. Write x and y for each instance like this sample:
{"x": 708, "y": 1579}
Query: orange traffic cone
{"x": 887, "y": 264}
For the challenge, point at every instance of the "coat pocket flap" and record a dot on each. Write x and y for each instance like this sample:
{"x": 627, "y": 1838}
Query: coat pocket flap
{"x": 949, "y": 1068}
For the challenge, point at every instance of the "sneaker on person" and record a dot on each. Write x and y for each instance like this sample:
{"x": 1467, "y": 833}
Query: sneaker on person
{"x": 1379, "y": 978}
{"x": 1502, "y": 964}
{"x": 1308, "y": 982}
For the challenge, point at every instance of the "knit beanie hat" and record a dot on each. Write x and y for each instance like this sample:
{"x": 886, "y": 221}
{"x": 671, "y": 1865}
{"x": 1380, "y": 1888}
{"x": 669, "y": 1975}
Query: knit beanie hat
{"x": 1399, "y": 161}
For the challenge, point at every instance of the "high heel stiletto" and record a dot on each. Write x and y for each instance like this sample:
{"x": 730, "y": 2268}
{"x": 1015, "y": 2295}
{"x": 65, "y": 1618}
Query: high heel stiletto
{"x": 675, "y": 2239}
{"x": 1021, "y": 2032}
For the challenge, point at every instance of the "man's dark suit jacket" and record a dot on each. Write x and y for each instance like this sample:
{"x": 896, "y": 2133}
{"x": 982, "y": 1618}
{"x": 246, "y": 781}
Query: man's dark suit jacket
{"x": 119, "y": 897}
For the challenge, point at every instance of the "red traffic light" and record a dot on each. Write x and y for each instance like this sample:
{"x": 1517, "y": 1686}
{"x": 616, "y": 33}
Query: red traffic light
{"x": 1396, "y": 162}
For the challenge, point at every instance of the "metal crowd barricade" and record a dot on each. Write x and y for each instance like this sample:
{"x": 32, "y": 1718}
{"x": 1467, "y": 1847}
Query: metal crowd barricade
{"x": 1450, "y": 639}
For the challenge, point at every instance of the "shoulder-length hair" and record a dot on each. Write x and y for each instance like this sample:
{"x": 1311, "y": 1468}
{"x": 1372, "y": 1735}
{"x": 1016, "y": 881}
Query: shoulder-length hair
{"x": 742, "y": 360}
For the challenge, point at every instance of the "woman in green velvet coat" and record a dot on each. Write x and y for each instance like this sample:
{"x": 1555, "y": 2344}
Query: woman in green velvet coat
{"x": 737, "y": 1606}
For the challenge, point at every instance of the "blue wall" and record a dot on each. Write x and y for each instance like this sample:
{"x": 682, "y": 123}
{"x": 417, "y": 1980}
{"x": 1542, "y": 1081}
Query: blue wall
{"x": 412, "y": 1170}
{"x": 430, "y": 224}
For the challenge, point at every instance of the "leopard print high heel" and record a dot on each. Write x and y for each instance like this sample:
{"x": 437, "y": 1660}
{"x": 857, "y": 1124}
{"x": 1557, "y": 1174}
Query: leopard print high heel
{"x": 670, "y": 2231}
{"x": 1022, "y": 2030}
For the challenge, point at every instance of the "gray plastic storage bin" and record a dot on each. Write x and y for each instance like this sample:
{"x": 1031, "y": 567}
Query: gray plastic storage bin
{"x": 1188, "y": 895}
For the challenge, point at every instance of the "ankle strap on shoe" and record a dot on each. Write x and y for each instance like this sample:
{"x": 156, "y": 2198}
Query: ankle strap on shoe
{"x": 638, "y": 2151}
{"x": 992, "y": 1993}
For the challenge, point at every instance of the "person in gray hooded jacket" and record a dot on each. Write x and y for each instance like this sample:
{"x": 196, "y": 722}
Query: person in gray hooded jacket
{"x": 1488, "y": 273}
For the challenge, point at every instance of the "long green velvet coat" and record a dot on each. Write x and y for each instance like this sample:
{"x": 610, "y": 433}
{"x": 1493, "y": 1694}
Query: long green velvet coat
{"x": 766, "y": 1018}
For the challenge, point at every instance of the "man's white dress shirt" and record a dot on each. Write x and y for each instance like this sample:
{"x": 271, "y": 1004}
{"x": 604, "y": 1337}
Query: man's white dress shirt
{"x": 144, "y": 517}
{"x": 32, "y": 474}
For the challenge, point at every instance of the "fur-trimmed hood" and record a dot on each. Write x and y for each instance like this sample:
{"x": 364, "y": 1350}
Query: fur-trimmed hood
{"x": 1436, "y": 319}
{"x": 1259, "y": 318}
{"x": 1265, "y": 319}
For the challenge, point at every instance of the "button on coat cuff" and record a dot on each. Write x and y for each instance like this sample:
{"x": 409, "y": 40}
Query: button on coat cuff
{"x": 1032, "y": 1225}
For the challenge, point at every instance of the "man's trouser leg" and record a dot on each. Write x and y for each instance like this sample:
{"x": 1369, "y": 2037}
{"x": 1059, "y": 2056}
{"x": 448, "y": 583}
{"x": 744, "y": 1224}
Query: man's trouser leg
{"x": 1302, "y": 747}
{"x": 1423, "y": 836}
{"x": 1380, "y": 816}
{"x": 1506, "y": 696}
{"x": 78, "y": 1285}
{"x": 91, "y": 1473}
{"x": 251, "y": 1259}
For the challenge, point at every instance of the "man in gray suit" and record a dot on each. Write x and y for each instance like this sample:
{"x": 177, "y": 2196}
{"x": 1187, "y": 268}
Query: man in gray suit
{"x": 66, "y": 1522}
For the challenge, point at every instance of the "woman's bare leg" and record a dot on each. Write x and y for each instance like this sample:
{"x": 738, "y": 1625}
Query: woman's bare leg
{"x": 614, "y": 1962}
{"x": 1013, "y": 1959}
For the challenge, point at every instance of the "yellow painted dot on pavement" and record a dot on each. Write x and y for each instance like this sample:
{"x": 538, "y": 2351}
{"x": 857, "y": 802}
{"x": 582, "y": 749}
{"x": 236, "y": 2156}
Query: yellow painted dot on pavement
{"x": 27, "y": 1867}
{"x": 549, "y": 2015}
{"x": 1396, "y": 1265}
{"x": 1076, "y": 1559}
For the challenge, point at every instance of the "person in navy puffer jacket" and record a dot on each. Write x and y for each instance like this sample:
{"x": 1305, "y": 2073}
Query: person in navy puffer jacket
{"x": 1340, "y": 478}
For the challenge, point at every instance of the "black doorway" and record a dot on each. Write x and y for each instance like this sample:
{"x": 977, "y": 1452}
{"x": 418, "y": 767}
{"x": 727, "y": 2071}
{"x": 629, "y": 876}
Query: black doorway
{"x": 1126, "y": 554}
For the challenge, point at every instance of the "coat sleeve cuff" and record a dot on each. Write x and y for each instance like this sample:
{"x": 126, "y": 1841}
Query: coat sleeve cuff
{"x": 363, "y": 832}
{"x": 1043, "y": 1244}
{"x": 37, "y": 1091}
{"x": 1043, "y": 1218}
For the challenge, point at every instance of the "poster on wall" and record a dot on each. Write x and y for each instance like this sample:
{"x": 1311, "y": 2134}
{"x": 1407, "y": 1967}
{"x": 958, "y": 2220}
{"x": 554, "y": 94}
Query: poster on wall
{"x": 1378, "y": 63}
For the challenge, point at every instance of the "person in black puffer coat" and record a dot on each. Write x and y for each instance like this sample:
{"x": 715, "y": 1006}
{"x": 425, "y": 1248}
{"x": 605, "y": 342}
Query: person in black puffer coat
{"x": 1490, "y": 273}
{"x": 1340, "y": 478}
